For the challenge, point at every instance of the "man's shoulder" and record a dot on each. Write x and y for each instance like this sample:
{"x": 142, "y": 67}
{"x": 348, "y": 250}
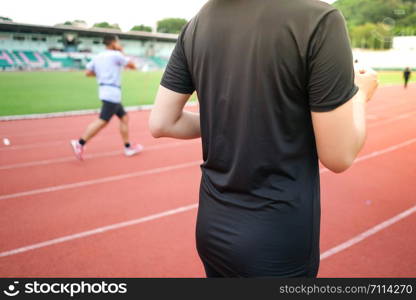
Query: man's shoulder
{"x": 109, "y": 55}
{"x": 317, "y": 4}
{"x": 301, "y": 10}
{"x": 113, "y": 53}
{"x": 314, "y": 7}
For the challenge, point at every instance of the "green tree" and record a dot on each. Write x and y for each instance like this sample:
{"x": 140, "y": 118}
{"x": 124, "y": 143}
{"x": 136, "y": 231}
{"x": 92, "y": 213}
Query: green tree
{"x": 409, "y": 20}
{"x": 360, "y": 12}
{"x": 142, "y": 27}
{"x": 106, "y": 25}
{"x": 171, "y": 25}
{"x": 81, "y": 23}
{"x": 371, "y": 36}
{"x": 373, "y": 23}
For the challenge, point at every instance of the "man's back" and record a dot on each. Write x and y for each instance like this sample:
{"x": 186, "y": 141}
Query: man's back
{"x": 107, "y": 67}
{"x": 260, "y": 67}
{"x": 250, "y": 63}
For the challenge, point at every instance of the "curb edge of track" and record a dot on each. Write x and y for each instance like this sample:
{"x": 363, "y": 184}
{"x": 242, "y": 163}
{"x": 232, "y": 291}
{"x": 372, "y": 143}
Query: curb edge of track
{"x": 76, "y": 113}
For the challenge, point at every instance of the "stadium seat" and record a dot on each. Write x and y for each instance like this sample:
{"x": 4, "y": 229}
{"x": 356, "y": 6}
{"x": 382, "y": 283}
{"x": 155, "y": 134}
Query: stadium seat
{"x": 5, "y": 60}
{"x": 65, "y": 62}
{"x": 159, "y": 61}
{"x": 32, "y": 59}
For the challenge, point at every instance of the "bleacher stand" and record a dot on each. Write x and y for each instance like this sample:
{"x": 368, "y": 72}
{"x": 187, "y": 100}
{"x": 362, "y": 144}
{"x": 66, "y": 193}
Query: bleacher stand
{"x": 36, "y": 47}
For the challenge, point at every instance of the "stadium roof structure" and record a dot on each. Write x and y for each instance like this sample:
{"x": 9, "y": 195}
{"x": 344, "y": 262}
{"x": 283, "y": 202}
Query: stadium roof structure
{"x": 86, "y": 32}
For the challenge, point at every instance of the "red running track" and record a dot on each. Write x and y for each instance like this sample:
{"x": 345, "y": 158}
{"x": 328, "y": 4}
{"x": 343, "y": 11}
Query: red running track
{"x": 113, "y": 216}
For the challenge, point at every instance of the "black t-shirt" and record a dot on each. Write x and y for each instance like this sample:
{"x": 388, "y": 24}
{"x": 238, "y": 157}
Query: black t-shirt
{"x": 407, "y": 73}
{"x": 259, "y": 68}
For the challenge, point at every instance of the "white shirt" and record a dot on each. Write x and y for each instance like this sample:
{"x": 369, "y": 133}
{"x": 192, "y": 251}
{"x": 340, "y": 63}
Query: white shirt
{"x": 107, "y": 66}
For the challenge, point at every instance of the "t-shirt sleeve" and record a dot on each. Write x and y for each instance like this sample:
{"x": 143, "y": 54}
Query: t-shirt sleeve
{"x": 177, "y": 76}
{"x": 331, "y": 69}
{"x": 121, "y": 60}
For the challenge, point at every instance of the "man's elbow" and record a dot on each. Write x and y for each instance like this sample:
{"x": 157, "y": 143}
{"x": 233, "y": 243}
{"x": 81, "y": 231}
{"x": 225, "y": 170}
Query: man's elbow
{"x": 338, "y": 165}
{"x": 131, "y": 66}
{"x": 89, "y": 73}
{"x": 157, "y": 129}
{"x": 157, "y": 132}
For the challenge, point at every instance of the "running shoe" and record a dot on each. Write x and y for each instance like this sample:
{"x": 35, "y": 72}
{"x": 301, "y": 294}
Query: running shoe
{"x": 78, "y": 149}
{"x": 130, "y": 151}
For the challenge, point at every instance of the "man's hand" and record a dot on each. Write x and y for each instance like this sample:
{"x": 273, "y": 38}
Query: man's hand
{"x": 131, "y": 65}
{"x": 367, "y": 81}
{"x": 118, "y": 47}
{"x": 89, "y": 73}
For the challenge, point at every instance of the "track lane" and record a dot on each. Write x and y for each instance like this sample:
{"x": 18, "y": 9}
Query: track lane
{"x": 162, "y": 248}
{"x": 371, "y": 192}
{"x": 389, "y": 253}
{"x": 40, "y": 218}
{"x": 69, "y": 172}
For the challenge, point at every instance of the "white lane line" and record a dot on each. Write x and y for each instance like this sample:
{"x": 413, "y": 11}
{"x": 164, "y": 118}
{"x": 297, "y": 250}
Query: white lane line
{"x": 190, "y": 105}
{"x": 378, "y": 153}
{"x": 99, "y": 230}
{"x": 48, "y": 144}
{"x": 372, "y": 231}
{"x": 390, "y": 120}
{"x": 30, "y": 146}
{"x": 100, "y": 180}
{"x": 387, "y": 150}
{"x": 101, "y": 137}
{"x": 89, "y": 156}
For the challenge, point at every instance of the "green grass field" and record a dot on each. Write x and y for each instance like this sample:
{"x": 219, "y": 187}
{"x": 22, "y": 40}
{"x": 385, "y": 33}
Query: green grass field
{"x": 46, "y": 92}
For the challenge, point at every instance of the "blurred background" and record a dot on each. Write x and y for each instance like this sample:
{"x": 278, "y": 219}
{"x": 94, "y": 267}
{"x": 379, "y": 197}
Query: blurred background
{"x": 45, "y": 44}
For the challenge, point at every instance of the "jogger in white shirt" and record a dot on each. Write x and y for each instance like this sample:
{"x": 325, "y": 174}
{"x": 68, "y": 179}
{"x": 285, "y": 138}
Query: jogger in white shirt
{"x": 107, "y": 68}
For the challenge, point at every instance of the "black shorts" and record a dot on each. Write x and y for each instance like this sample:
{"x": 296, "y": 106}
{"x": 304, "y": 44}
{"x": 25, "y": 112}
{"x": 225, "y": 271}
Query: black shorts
{"x": 109, "y": 109}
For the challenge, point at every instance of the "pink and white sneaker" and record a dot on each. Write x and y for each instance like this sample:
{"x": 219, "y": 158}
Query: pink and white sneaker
{"x": 78, "y": 149}
{"x": 133, "y": 150}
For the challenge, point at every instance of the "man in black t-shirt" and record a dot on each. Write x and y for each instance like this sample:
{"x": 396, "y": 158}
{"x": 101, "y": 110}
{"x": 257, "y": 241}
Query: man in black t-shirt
{"x": 276, "y": 88}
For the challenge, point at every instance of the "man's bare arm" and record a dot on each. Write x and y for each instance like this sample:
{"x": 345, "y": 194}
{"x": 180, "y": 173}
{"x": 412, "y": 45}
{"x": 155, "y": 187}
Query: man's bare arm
{"x": 341, "y": 133}
{"x": 168, "y": 119}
